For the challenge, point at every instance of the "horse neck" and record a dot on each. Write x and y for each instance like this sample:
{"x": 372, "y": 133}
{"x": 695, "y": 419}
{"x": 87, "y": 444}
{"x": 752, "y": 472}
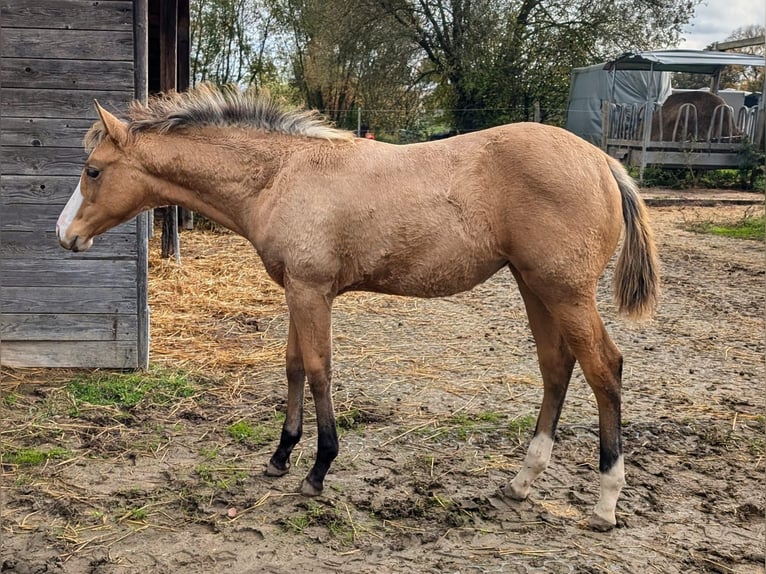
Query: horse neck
{"x": 215, "y": 173}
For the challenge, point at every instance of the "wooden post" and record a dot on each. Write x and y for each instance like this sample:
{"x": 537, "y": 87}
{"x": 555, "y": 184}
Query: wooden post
{"x": 143, "y": 221}
{"x": 183, "y": 63}
{"x": 168, "y": 81}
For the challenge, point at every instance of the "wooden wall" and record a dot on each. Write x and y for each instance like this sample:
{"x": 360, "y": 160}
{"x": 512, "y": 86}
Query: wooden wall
{"x": 58, "y": 308}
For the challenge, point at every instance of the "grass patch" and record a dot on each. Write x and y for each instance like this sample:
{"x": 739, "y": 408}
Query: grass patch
{"x": 220, "y": 477}
{"x": 338, "y": 523}
{"x": 126, "y": 390}
{"x": 350, "y": 419}
{"x": 256, "y": 435}
{"x": 463, "y": 426}
{"x": 521, "y": 425}
{"x": 746, "y": 228}
{"x": 33, "y": 456}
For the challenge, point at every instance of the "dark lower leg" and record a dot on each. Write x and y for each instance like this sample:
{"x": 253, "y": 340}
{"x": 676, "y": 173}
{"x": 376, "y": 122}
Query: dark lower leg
{"x": 292, "y": 429}
{"x": 601, "y": 362}
{"x": 327, "y": 450}
{"x": 327, "y": 437}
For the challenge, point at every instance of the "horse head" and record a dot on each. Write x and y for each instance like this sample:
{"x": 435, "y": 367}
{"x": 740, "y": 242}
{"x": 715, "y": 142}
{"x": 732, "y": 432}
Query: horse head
{"x": 110, "y": 190}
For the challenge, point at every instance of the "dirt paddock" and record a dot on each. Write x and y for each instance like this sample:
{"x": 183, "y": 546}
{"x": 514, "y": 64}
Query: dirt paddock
{"x": 436, "y": 402}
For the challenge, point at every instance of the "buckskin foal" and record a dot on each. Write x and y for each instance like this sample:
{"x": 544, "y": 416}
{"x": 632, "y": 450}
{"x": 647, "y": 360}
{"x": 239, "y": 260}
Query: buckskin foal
{"x": 330, "y": 213}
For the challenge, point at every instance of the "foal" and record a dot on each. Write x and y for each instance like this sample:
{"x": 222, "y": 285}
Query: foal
{"x": 329, "y": 213}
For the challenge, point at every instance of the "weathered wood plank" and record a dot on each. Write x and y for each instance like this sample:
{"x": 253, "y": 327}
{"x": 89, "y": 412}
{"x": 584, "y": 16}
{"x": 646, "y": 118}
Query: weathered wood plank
{"x": 42, "y": 218}
{"x": 44, "y": 132}
{"x": 685, "y": 159}
{"x": 63, "y": 273}
{"x": 143, "y": 221}
{"x": 48, "y": 160}
{"x": 64, "y": 74}
{"x": 67, "y": 300}
{"x": 44, "y": 245}
{"x": 69, "y": 354}
{"x": 34, "y": 103}
{"x": 40, "y": 188}
{"x": 67, "y": 327}
{"x": 69, "y": 15}
{"x": 101, "y": 46}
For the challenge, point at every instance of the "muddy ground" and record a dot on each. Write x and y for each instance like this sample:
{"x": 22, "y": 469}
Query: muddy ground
{"x": 436, "y": 403}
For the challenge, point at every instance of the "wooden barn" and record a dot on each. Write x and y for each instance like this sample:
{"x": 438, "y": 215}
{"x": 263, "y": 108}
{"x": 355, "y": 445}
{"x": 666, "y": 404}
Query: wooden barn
{"x": 57, "y": 308}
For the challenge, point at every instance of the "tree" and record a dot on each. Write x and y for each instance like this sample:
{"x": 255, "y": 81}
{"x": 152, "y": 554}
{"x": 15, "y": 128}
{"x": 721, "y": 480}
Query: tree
{"x": 229, "y": 41}
{"x": 346, "y": 56}
{"x": 496, "y": 58}
{"x": 748, "y": 78}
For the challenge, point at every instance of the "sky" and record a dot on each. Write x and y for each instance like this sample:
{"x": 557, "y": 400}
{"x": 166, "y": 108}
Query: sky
{"x": 714, "y": 20}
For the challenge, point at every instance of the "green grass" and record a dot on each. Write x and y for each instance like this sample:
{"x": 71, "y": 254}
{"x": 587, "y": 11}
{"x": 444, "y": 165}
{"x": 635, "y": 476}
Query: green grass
{"x": 126, "y": 390}
{"x": 462, "y": 426}
{"x": 221, "y": 477}
{"x": 256, "y": 435}
{"x": 33, "y": 456}
{"x": 522, "y": 424}
{"x": 11, "y": 399}
{"x": 338, "y": 523}
{"x": 746, "y": 228}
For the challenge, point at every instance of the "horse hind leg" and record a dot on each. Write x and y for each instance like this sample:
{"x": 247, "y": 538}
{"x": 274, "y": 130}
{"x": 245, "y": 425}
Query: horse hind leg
{"x": 556, "y": 363}
{"x": 565, "y": 332}
{"x": 601, "y": 362}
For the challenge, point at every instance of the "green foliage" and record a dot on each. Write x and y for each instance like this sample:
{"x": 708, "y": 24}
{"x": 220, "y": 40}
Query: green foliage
{"x": 752, "y": 162}
{"x": 11, "y": 399}
{"x": 748, "y": 227}
{"x": 138, "y": 514}
{"x": 472, "y": 64}
{"x": 521, "y": 425}
{"x": 256, "y": 435}
{"x": 126, "y": 390}
{"x": 338, "y": 523}
{"x": 463, "y": 426}
{"x": 220, "y": 477}
{"x": 748, "y": 178}
{"x": 350, "y": 419}
{"x": 33, "y": 456}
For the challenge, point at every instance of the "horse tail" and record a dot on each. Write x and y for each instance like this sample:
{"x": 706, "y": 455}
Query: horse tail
{"x": 637, "y": 273}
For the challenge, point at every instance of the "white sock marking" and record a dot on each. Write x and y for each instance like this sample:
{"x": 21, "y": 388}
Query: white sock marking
{"x": 612, "y": 482}
{"x": 538, "y": 456}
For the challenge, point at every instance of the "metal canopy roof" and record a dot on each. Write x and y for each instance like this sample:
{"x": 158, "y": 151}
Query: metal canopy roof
{"x": 692, "y": 61}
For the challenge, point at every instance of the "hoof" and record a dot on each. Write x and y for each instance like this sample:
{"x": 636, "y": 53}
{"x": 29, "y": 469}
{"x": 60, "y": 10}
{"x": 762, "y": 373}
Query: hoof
{"x": 308, "y": 489}
{"x": 600, "y": 524}
{"x": 511, "y": 492}
{"x": 272, "y": 470}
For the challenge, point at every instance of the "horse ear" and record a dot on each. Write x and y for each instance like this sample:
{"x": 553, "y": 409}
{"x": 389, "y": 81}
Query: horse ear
{"x": 115, "y": 129}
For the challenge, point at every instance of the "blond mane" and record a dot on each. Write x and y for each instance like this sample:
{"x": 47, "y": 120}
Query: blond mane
{"x": 208, "y": 105}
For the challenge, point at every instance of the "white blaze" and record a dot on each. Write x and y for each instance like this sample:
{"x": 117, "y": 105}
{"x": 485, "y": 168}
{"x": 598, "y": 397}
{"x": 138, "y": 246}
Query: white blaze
{"x": 68, "y": 214}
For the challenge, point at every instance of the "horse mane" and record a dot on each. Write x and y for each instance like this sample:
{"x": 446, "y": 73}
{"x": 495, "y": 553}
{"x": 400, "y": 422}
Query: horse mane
{"x": 207, "y": 105}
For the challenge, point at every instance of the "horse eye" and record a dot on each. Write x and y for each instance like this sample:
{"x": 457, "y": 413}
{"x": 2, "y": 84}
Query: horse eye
{"x": 92, "y": 172}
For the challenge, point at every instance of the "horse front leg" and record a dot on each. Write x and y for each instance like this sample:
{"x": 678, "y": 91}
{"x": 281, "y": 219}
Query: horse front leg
{"x": 310, "y": 308}
{"x": 292, "y": 429}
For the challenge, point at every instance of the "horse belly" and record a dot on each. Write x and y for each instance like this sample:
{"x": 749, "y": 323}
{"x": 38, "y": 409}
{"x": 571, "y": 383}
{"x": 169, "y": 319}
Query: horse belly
{"x": 422, "y": 279}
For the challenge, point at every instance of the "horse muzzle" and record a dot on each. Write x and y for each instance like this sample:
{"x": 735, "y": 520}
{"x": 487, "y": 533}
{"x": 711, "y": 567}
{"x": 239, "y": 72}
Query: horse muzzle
{"x": 65, "y": 221}
{"x": 75, "y": 244}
